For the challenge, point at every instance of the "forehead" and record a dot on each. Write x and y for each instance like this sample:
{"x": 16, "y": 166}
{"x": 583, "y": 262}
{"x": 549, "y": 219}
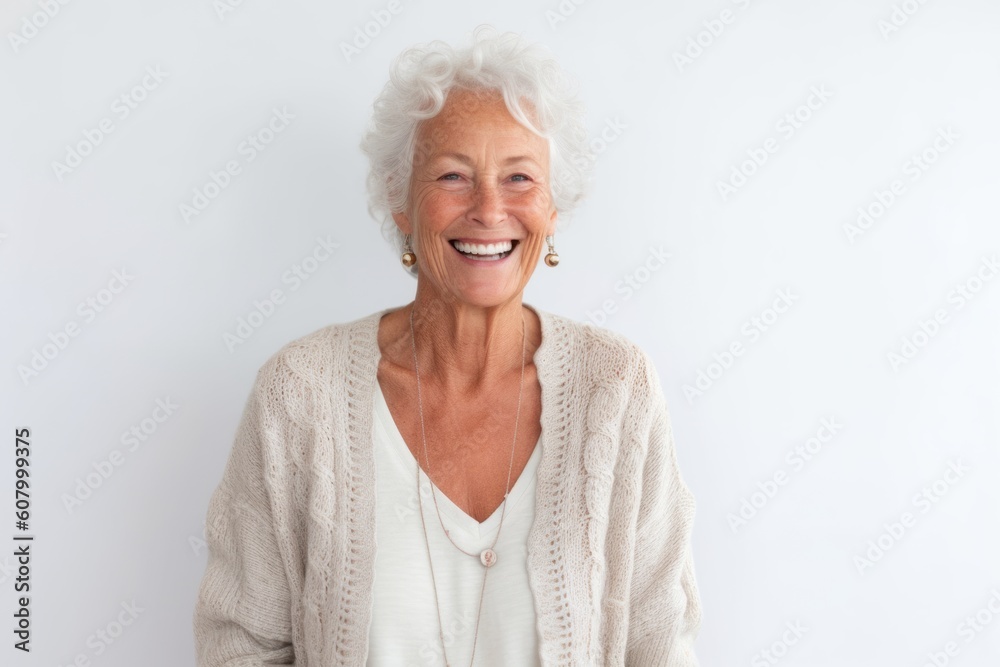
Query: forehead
{"x": 478, "y": 118}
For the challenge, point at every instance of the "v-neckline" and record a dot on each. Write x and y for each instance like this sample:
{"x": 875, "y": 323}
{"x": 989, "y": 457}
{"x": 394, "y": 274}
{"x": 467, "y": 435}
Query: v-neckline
{"x": 473, "y": 529}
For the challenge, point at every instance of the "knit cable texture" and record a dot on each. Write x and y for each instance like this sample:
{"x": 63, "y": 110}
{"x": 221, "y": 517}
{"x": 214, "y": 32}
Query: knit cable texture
{"x": 291, "y": 526}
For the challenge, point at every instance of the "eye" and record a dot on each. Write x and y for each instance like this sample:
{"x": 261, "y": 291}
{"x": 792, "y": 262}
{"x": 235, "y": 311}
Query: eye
{"x": 521, "y": 176}
{"x": 447, "y": 177}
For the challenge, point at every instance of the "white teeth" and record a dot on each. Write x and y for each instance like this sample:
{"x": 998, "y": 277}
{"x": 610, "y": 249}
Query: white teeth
{"x": 480, "y": 249}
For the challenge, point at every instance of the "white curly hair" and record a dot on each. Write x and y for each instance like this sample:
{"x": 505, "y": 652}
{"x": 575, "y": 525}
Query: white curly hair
{"x": 419, "y": 82}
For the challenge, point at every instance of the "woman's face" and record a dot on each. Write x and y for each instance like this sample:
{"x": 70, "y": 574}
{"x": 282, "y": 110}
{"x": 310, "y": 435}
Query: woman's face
{"x": 479, "y": 177}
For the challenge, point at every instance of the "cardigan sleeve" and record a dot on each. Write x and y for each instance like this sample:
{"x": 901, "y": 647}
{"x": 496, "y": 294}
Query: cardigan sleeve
{"x": 665, "y": 610}
{"x": 242, "y": 615}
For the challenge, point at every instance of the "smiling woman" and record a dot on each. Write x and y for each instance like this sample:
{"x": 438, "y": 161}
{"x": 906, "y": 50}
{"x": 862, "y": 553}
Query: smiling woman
{"x": 465, "y": 479}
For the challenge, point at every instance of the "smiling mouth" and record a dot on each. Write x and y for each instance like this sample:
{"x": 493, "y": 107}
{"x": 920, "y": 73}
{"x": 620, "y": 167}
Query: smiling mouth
{"x": 485, "y": 252}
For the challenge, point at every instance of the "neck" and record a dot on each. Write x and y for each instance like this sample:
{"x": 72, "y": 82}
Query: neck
{"x": 463, "y": 347}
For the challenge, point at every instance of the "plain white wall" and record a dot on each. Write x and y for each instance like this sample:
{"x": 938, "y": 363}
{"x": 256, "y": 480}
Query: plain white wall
{"x": 682, "y": 97}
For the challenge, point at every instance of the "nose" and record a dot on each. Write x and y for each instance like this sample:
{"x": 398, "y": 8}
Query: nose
{"x": 488, "y": 206}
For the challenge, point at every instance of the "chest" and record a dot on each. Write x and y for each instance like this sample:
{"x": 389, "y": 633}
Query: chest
{"x": 468, "y": 445}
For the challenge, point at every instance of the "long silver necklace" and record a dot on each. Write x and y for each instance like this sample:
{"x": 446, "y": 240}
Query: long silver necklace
{"x": 488, "y": 557}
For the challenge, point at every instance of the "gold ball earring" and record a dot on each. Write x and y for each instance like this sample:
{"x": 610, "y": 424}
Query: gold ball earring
{"x": 551, "y": 259}
{"x": 408, "y": 258}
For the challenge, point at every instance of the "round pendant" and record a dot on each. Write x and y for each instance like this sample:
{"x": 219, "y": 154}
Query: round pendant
{"x": 488, "y": 557}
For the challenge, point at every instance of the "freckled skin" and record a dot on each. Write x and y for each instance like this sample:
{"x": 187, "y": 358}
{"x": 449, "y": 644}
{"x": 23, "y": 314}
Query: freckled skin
{"x": 468, "y": 315}
{"x": 483, "y": 199}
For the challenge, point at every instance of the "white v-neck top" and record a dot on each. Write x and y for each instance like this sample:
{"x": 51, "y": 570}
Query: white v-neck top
{"x": 405, "y": 630}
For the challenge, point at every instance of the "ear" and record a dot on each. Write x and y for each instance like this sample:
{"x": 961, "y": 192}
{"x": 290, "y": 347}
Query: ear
{"x": 551, "y": 229}
{"x": 403, "y": 222}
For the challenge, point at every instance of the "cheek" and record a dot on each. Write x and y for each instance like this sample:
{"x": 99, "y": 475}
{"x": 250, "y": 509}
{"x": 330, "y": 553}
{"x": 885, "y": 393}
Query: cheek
{"x": 532, "y": 247}
{"x": 436, "y": 201}
{"x": 436, "y": 205}
{"x": 533, "y": 203}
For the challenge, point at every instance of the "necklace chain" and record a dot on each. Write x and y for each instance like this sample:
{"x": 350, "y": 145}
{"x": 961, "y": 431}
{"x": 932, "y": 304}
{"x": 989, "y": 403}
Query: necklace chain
{"x": 423, "y": 434}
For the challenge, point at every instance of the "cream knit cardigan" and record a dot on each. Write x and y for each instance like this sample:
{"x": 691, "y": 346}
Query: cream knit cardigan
{"x": 291, "y": 526}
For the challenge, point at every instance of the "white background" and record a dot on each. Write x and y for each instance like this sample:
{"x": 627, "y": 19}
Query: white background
{"x": 683, "y": 128}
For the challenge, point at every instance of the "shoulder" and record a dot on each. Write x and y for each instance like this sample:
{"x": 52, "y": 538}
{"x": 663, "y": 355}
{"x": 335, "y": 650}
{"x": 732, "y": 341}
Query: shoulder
{"x": 300, "y": 368}
{"x": 604, "y": 355}
{"x": 613, "y": 376}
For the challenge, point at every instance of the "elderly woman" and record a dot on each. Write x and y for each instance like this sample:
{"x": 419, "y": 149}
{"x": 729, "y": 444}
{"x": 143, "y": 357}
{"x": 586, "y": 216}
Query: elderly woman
{"x": 465, "y": 479}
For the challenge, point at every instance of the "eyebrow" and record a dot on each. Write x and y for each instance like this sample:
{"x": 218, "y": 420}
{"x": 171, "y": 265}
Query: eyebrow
{"x": 465, "y": 159}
